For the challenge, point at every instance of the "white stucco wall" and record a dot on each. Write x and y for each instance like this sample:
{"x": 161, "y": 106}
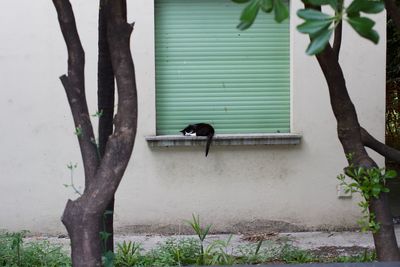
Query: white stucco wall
{"x": 164, "y": 186}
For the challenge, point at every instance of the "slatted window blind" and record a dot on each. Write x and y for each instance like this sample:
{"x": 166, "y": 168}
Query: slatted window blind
{"x": 209, "y": 71}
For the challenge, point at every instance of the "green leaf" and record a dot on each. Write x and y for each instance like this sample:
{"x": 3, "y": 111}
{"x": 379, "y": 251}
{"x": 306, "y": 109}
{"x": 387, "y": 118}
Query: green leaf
{"x": 266, "y": 5}
{"x": 353, "y": 185}
{"x": 319, "y": 42}
{"x": 205, "y": 231}
{"x": 313, "y": 26}
{"x": 385, "y": 190}
{"x": 312, "y": 14}
{"x": 350, "y": 172}
{"x": 281, "y": 11}
{"x": 390, "y": 174}
{"x": 376, "y": 191}
{"x": 249, "y": 14}
{"x": 363, "y": 26}
{"x": 366, "y": 6}
{"x": 240, "y": 1}
{"x": 341, "y": 177}
{"x": 359, "y": 171}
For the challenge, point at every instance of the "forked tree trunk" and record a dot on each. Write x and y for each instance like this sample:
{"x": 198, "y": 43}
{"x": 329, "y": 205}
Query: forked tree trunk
{"x": 83, "y": 217}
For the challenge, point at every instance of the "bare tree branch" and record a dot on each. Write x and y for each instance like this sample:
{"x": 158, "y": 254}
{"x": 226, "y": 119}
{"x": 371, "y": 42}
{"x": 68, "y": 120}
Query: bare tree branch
{"x": 337, "y": 41}
{"x": 393, "y": 12}
{"x": 381, "y": 148}
{"x": 74, "y": 85}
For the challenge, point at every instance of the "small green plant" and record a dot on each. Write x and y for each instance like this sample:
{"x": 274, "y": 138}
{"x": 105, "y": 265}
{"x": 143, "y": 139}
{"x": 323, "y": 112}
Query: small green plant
{"x": 128, "y": 254}
{"x": 78, "y": 131}
{"x": 108, "y": 259}
{"x": 98, "y": 114}
{"x": 370, "y": 183}
{"x": 255, "y": 253}
{"x": 291, "y": 254}
{"x": 217, "y": 253}
{"x": 201, "y": 233}
{"x": 174, "y": 252}
{"x": 16, "y": 243}
{"x": 71, "y": 167}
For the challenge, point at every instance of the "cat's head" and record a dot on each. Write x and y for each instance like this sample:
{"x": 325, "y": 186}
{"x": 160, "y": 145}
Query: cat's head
{"x": 189, "y": 130}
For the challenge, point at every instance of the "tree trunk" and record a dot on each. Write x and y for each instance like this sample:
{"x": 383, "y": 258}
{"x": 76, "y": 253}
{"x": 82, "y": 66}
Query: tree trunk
{"x": 105, "y": 102}
{"x": 349, "y": 133}
{"x": 83, "y": 217}
{"x": 84, "y": 229}
{"x": 385, "y": 238}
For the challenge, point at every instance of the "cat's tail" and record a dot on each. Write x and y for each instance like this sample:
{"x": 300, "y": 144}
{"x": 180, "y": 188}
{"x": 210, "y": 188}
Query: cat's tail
{"x": 209, "y": 140}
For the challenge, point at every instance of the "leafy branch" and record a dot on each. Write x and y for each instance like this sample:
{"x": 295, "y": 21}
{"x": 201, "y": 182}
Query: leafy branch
{"x": 318, "y": 25}
{"x": 370, "y": 183}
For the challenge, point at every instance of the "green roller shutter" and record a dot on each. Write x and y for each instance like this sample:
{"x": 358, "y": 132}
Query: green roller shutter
{"x": 208, "y": 71}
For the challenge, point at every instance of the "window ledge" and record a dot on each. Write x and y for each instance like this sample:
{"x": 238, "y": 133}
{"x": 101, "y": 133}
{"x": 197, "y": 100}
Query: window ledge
{"x": 225, "y": 140}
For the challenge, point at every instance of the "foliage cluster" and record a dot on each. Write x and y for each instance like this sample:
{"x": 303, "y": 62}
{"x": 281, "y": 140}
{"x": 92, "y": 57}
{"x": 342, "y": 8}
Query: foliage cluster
{"x": 370, "y": 183}
{"x": 184, "y": 252}
{"x": 318, "y": 25}
{"x": 14, "y": 252}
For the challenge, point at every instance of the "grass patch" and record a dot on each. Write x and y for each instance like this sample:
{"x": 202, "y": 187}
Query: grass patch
{"x": 172, "y": 252}
{"x": 366, "y": 256}
{"x": 14, "y": 252}
{"x": 187, "y": 251}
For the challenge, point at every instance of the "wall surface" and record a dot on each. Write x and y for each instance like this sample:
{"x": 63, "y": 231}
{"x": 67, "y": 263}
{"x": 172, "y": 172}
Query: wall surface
{"x": 235, "y": 188}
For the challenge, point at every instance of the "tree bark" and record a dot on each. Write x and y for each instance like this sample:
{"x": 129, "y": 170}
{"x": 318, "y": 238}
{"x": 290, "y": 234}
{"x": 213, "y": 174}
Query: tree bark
{"x": 83, "y": 216}
{"x": 105, "y": 102}
{"x": 385, "y": 239}
{"x": 337, "y": 41}
{"x": 393, "y": 12}
{"x": 84, "y": 227}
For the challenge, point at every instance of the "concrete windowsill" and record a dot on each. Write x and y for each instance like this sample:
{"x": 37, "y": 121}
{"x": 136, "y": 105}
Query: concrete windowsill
{"x": 225, "y": 140}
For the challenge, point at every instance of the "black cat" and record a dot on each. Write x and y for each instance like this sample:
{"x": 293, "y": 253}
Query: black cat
{"x": 200, "y": 129}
